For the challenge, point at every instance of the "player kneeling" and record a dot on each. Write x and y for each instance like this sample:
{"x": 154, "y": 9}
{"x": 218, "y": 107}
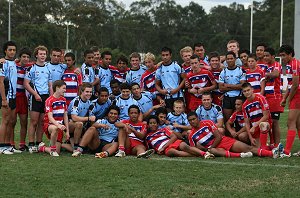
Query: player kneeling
{"x": 165, "y": 142}
{"x": 131, "y": 140}
{"x": 55, "y": 119}
{"x": 205, "y": 136}
{"x": 101, "y": 137}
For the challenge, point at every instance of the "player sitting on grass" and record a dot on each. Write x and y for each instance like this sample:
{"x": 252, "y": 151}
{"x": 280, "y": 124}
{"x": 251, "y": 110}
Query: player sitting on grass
{"x": 101, "y": 137}
{"x": 102, "y": 103}
{"x": 165, "y": 142}
{"x": 55, "y": 119}
{"x": 236, "y": 124}
{"x": 131, "y": 140}
{"x": 205, "y": 136}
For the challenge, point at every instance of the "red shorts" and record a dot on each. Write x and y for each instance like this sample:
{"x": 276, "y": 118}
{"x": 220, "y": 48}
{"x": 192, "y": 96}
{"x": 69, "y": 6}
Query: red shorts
{"x": 174, "y": 145}
{"x": 274, "y": 104}
{"x": 194, "y": 103}
{"x": 295, "y": 102}
{"x": 133, "y": 143}
{"x": 226, "y": 143}
{"x": 22, "y": 105}
{"x": 60, "y": 134}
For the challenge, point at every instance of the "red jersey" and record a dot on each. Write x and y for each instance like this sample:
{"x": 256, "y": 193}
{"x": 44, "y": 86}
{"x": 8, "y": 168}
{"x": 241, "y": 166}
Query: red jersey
{"x": 21, "y": 71}
{"x": 139, "y": 127}
{"x": 186, "y": 68}
{"x": 272, "y": 88}
{"x": 294, "y": 66}
{"x": 119, "y": 75}
{"x": 254, "y": 78}
{"x": 148, "y": 81}
{"x": 238, "y": 119}
{"x": 58, "y": 106}
{"x": 158, "y": 139}
{"x": 203, "y": 135}
{"x": 263, "y": 66}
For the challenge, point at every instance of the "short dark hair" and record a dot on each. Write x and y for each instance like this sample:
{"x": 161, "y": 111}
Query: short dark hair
{"x": 103, "y": 89}
{"x": 135, "y": 83}
{"x": 270, "y": 51}
{"x": 105, "y": 53}
{"x": 134, "y": 107}
{"x": 246, "y": 51}
{"x": 70, "y": 54}
{"x": 246, "y": 84}
{"x": 123, "y": 59}
{"x": 166, "y": 49}
{"x": 86, "y": 52}
{"x": 192, "y": 113}
{"x": 252, "y": 55}
{"x": 242, "y": 98}
{"x": 287, "y": 49}
{"x": 198, "y": 45}
{"x": 113, "y": 107}
{"x": 25, "y": 50}
{"x": 207, "y": 94}
{"x": 195, "y": 56}
{"x": 261, "y": 44}
{"x": 8, "y": 43}
{"x": 114, "y": 81}
{"x": 125, "y": 86}
{"x": 231, "y": 53}
{"x": 160, "y": 110}
{"x": 213, "y": 55}
{"x": 85, "y": 85}
{"x": 94, "y": 49}
{"x": 152, "y": 117}
{"x": 55, "y": 49}
{"x": 58, "y": 83}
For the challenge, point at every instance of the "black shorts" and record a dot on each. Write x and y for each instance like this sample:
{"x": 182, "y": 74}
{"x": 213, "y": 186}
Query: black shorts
{"x": 275, "y": 115}
{"x": 36, "y": 105}
{"x": 229, "y": 102}
{"x": 169, "y": 102}
{"x": 102, "y": 144}
{"x": 12, "y": 103}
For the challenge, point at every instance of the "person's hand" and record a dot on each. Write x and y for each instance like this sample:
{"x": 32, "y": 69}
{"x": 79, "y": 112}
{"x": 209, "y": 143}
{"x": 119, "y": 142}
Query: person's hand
{"x": 105, "y": 126}
{"x": 283, "y": 102}
{"x": 92, "y": 118}
{"x": 38, "y": 98}
{"x": 4, "y": 103}
{"x": 175, "y": 124}
{"x": 253, "y": 142}
{"x": 61, "y": 127}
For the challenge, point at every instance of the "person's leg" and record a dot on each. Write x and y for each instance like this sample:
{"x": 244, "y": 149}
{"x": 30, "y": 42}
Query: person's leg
{"x": 293, "y": 117}
{"x": 39, "y": 130}
{"x": 110, "y": 148}
{"x": 243, "y": 137}
{"x": 172, "y": 152}
{"x": 6, "y": 111}
{"x": 90, "y": 139}
{"x": 276, "y": 131}
{"x": 11, "y": 134}
{"x": 77, "y": 133}
{"x": 192, "y": 150}
{"x": 34, "y": 117}
{"x": 138, "y": 150}
{"x": 23, "y": 130}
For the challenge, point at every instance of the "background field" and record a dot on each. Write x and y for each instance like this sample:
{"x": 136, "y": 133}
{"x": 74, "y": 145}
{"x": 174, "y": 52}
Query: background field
{"x": 39, "y": 175}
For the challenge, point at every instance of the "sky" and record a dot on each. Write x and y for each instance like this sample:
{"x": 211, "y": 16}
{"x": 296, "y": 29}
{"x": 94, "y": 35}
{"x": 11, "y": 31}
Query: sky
{"x": 206, "y": 4}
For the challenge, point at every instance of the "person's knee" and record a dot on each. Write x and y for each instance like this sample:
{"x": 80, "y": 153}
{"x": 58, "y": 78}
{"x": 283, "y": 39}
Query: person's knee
{"x": 264, "y": 127}
{"x": 78, "y": 125}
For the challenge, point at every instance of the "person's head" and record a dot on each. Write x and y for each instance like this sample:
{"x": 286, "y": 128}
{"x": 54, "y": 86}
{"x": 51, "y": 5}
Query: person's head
{"x": 193, "y": 119}
{"x": 55, "y": 55}
{"x": 88, "y": 57}
{"x": 252, "y": 61}
{"x": 195, "y": 64}
{"x": 244, "y": 56}
{"x": 10, "y": 49}
{"x": 115, "y": 87}
{"x": 239, "y": 103}
{"x": 269, "y": 55}
{"x": 86, "y": 91}
{"x": 125, "y": 90}
{"x": 178, "y": 107}
{"x": 206, "y": 100}
{"x": 70, "y": 59}
{"x": 133, "y": 113}
{"x": 136, "y": 89}
{"x": 166, "y": 55}
{"x": 161, "y": 113}
{"x": 149, "y": 60}
{"x": 113, "y": 113}
{"x": 60, "y": 87}
{"x": 214, "y": 60}
{"x": 260, "y": 48}
{"x": 106, "y": 58}
{"x": 122, "y": 63}
{"x": 96, "y": 51}
{"x": 286, "y": 52}
{"x": 40, "y": 53}
{"x": 247, "y": 90}
{"x": 230, "y": 59}
{"x": 199, "y": 50}
{"x": 103, "y": 95}
{"x": 24, "y": 55}
{"x": 233, "y": 45}
{"x": 185, "y": 54}
{"x": 152, "y": 123}
{"x": 135, "y": 60}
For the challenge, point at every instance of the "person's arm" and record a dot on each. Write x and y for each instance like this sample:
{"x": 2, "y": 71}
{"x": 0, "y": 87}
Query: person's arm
{"x": 262, "y": 86}
{"x": 273, "y": 74}
{"x": 181, "y": 85}
{"x": 140, "y": 135}
{"x": 220, "y": 123}
{"x": 66, "y": 123}
{"x": 50, "y": 88}
{"x": 230, "y": 128}
{"x": 295, "y": 85}
{"x": 77, "y": 118}
{"x": 172, "y": 139}
{"x": 183, "y": 127}
{"x": 148, "y": 113}
{"x": 159, "y": 89}
{"x": 218, "y": 138}
{"x": 2, "y": 92}
{"x": 249, "y": 131}
{"x": 31, "y": 90}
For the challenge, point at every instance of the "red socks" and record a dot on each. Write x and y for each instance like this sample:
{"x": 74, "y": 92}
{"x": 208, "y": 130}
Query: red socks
{"x": 121, "y": 148}
{"x": 290, "y": 137}
{"x": 264, "y": 153}
{"x": 263, "y": 139}
{"x": 232, "y": 155}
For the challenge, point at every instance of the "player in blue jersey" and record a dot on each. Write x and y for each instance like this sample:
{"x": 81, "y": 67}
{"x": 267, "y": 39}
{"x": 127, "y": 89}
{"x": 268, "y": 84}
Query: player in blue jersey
{"x": 162, "y": 113}
{"x": 101, "y": 138}
{"x": 105, "y": 74}
{"x": 38, "y": 82}
{"x": 136, "y": 71}
{"x": 56, "y": 68}
{"x": 101, "y": 104}
{"x": 203, "y": 58}
{"x": 80, "y": 113}
{"x": 115, "y": 89}
{"x": 145, "y": 100}
{"x": 230, "y": 82}
{"x": 8, "y": 88}
{"x": 124, "y": 101}
{"x": 168, "y": 79}
{"x": 210, "y": 111}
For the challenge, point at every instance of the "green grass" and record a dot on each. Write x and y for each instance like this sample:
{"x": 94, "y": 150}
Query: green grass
{"x": 39, "y": 175}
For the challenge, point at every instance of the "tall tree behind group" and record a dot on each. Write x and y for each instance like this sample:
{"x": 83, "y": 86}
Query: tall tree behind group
{"x": 146, "y": 26}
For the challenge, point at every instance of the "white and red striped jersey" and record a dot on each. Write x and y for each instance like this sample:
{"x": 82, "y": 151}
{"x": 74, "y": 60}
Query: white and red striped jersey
{"x": 148, "y": 81}
{"x": 254, "y": 78}
{"x": 158, "y": 139}
{"x": 21, "y": 72}
{"x": 237, "y": 118}
{"x": 186, "y": 68}
{"x": 292, "y": 69}
{"x": 262, "y": 65}
{"x": 73, "y": 81}
{"x": 139, "y": 127}
{"x": 119, "y": 75}
{"x": 58, "y": 106}
{"x": 273, "y": 84}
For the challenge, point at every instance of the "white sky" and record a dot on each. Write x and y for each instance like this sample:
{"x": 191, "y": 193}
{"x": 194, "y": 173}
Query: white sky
{"x": 206, "y": 4}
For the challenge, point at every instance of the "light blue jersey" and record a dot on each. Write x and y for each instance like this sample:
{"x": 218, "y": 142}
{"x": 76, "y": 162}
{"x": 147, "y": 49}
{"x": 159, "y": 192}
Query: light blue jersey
{"x": 169, "y": 75}
{"x": 238, "y": 62}
{"x": 99, "y": 110}
{"x": 124, "y": 105}
{"x": 39, "y": 76}
{"x": 146, "y": 101}
{"x": 179, "y": 119}
{"x": 57, "y": 70}
{"x": 134, "y": 76}
{"x": 110, "y": 134}
{"x": 89, "y": 73}
{"x": 80, "y": 108}
{"x": 105, "y": 77}
{"x": 213, "y": 114}
{"x": 9, "y": 71}
{"x": 234, "y": 77}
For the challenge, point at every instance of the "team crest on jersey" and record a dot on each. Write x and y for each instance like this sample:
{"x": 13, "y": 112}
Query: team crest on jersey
{"x": 256, "y": 77}
{"x": 203, "y": 79}
{"x": 73, "y": 77}
{"x": 47, "y": 108}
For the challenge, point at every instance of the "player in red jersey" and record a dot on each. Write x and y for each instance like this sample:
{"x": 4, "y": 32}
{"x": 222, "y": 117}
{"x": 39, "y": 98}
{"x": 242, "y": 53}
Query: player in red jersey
{"x": 55, "y": 119}
{"x": 273, "y": 92}
{"x": 119, "y": 72}
{"x": 257, "y": 116}
{"x": 255, "y": 76}
{"x": 287, "y": 53}
{"x": 205, "y": 136}
{"x": 198, "y": 81}
{"x": 131, "y": 140}
{"x": 260, "y": 48}
{"x": 215, "y": 64}
{"x": 148, "y": 77}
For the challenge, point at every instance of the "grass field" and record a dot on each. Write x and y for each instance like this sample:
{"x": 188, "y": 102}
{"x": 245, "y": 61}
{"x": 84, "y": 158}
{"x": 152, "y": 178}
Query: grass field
{"x": 39, "y": 175}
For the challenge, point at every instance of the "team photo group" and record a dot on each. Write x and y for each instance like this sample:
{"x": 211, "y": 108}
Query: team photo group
{"x": 211, "y": 105}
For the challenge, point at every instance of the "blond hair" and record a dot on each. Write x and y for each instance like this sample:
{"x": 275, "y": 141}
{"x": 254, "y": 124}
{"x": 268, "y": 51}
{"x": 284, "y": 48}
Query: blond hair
{"x": 186, "y": 49}
{"x": 40, "y": 47}
{"x": 149, "y": 56}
